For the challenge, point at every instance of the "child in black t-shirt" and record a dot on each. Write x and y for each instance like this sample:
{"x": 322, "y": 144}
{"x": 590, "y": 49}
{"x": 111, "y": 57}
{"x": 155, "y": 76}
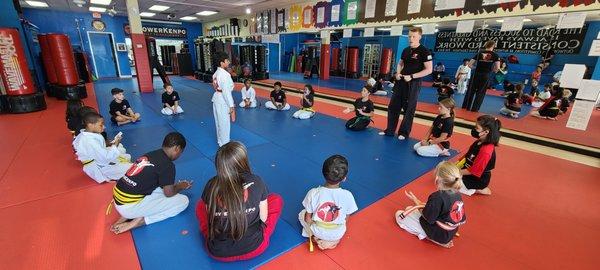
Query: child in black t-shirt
{"x": 437, "y": 80}
{"x": 148, "y": 193}
{"x": 73, "y": 118}
{"x": 436, "y": 142}
{"x": 170, "y": 100}
{"x": 564, "y": 101}
{"x": 439, "y": 218}
{"x": 278, "y": 99}
{"x": 512, "y": 104}
{"x": 445, "y": 90}
{"x": 308, "y": 100}
{"x": 120, "y": 111}
{"x": 363, "y": 107}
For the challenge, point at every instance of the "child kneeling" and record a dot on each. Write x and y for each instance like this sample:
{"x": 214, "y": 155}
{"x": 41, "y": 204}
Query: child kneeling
{"x": 327, "y": 208}
{"x": 100, "y": 162}
{"x": 438, "y": 219}
{"x": 248, "y": 95}
{"x": 170, "y": 100}
{"x": 363, "y": 108}
{"x": 437, "y": 140}
{"x": 308, "y": 99}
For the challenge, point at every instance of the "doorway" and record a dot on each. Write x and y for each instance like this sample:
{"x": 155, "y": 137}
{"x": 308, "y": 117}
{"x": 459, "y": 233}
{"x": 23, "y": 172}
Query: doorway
{"x": 104, "y": 55}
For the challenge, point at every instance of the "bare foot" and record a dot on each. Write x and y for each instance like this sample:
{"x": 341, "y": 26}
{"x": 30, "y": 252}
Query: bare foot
{"x": 123, "y": 123}
{"x": 126, "y": 226}
{"x": 119, "y": 221}
{"x": 445, "y": 153}
{"x": 485, "y": 191}
{"x": 447, "y": 245}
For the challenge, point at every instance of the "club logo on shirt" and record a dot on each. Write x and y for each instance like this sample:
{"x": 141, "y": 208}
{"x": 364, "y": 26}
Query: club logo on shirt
{"x": 429, "y": 57}
{"x": 415, "y": 56}
{"x": 457, "y": 212}
{"x": 174, "y": 97}
{"x": 138, "y": 166}
{"x": 486, "y": 57}
{"x": 328, "y": 211}
{"x": 124, "y": 107}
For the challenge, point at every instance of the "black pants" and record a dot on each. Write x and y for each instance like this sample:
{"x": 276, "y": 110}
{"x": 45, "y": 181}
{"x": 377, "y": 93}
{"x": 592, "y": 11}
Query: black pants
{"x": 476, "y": 92}
{"x": 403, "y": 100}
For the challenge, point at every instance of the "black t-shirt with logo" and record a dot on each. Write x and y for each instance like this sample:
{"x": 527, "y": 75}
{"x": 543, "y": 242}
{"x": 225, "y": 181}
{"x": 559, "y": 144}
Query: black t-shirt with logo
{"x": 442, "y": 125}
{"x": 223, "y": 245}
{"x": 311, "y": 98}
{"x": 365, "y": 106}
{"x": 445, "y": 92}
{"x": 119, "y": 107}
{"x": 485, "y": 61}
{"x": 152, "y": 170}
{"x": 446, "y": 207}
{"x": 278, "y": 96}
{"x": 170, "y": 99}
{"x": 414, "y": 59}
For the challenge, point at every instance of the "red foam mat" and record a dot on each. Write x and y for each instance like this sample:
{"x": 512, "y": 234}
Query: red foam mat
{"x": 53, "y": 215}
{"x": 528, "y": 124}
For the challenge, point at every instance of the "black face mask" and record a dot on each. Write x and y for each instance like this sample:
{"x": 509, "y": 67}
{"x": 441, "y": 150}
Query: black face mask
{"x": 475, "y": 133}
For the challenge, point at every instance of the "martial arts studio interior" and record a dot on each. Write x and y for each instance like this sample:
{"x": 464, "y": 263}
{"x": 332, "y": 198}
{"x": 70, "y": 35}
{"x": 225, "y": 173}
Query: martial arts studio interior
{"x": 277, "y": 134}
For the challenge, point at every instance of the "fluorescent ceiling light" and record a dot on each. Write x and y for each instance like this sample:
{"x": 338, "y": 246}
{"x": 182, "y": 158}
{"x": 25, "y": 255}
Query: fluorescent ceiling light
{"x": 158, "y": 8}
{"x": 147, "y": 14}
{"x": 525, "y": 20}
{"x": 188, "y": 18}
{"x": 37, "y": 4}
{"x": 384, "y": 29}
{"x": 207, "y": 13}
{"x": 100, "y": 2}
{"x": 98, "y": 9}
{"x": 248, "y": 11}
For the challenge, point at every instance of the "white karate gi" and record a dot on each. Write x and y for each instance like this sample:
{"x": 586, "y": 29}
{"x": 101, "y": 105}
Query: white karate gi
{"x": 101, "y": 163}
{"x": 222, "y": 102}
{"x": 463, "y": 73}
{"x": 154, "y": 207}
{"x": 248, "y": 94}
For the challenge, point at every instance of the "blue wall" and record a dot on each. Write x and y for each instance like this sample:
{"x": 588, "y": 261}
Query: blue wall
{"x": 64, "y": 22}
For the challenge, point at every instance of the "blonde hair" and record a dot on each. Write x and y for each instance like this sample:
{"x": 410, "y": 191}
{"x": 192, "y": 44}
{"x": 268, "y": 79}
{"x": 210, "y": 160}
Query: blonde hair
{"x": 448, "y": 176}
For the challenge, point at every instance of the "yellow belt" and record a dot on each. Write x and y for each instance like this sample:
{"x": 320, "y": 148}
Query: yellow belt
{"x": 326, "y": 225}
{"x": 309, "y": 109}
{"x": 125, "y": 198}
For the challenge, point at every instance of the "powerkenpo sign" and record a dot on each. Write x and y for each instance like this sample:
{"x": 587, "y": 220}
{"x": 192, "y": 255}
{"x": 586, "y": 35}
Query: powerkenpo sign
{"x": 165, "y": 31}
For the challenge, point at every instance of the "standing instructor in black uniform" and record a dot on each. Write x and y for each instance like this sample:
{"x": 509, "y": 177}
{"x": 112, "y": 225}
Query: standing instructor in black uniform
{"x": 415, "y": 63}
{"x": 487, "y": 61}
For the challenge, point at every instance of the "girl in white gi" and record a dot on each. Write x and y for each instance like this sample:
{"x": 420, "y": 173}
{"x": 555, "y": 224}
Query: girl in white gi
{"x": 308, "y": 100}
{"x": 223, "y": 106}
{"x": 101, "y": 163}
{"x": 147, "y": 193}
{"x": 463, "y": 73}
{"x": 327, "y": 208}
{"x": 248, "y": 95}
{"x": 438, "y": 219}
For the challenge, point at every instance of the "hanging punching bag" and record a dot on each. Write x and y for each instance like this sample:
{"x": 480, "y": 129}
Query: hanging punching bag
{"x": 21, "y": 93}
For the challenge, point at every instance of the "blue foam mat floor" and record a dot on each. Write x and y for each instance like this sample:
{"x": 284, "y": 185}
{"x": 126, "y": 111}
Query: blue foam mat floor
{"x": 286, "y": 153}
{"x": 491, "y": 104}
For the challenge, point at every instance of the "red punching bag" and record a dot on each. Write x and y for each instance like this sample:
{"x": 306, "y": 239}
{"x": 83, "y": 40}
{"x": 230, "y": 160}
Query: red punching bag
{"x": 335, "y": 59}
{"x": 63, "y": 60}
{"x": 386, "y": 62}
{"x": 13, "y": 65}
{"x": 47, "y": 59}
{"x": 352, "y": 60}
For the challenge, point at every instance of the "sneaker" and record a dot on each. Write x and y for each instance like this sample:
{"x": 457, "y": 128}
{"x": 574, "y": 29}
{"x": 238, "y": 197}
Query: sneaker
{"x": 381, "y": 133}
{"x": 401, "y": 138}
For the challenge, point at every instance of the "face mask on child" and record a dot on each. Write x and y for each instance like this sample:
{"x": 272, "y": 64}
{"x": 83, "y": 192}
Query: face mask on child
{"x": 475, "y": 133}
